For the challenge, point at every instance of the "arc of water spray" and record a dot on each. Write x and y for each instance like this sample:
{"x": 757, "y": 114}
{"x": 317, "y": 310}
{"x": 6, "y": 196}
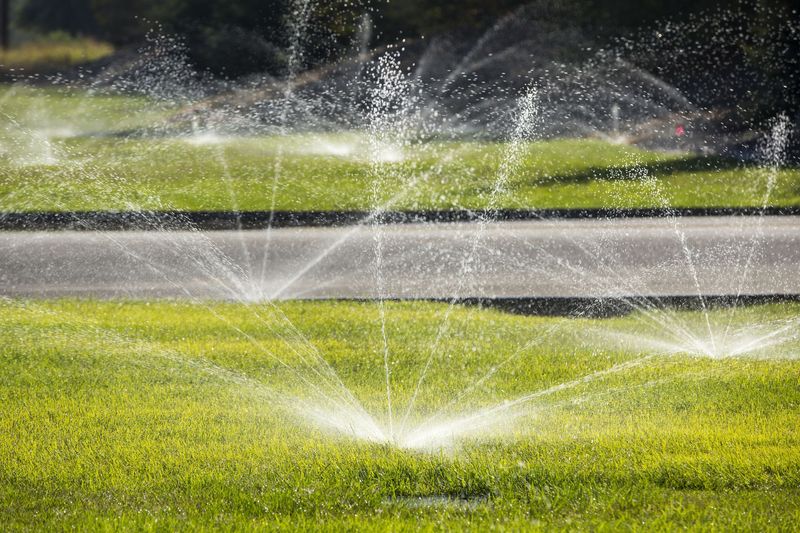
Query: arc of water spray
{"x": 300, "y": 14}
{"x": 200, "y": 365}
{"x": 643, "y": 305}
{"x": 298, "y": 406}
{"x": 342, "y": 397}
{"x": 226, "y": 174}
{"x": 337, "y": 387}
{"x": 492, "y": 371}
{"x": 385, "y": 115}
{"x": 424, "y": 436}
{"x": 648, "y": 312}
{"x": 523, "y": 128}
{"x": 368, "y": 219}
{"x": 774, "y": 150}
{"x": 774, "y": 154}
{"x": 238, "y": 330}
{"x": 687, "y": 255}
{"x": 464, "y": 65}
{"x": 490, "y": 374}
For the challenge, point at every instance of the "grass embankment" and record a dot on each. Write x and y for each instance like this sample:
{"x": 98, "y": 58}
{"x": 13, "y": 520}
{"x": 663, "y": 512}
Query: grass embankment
{"x": 115, "y": 422}
{"x": 52, "y": 159}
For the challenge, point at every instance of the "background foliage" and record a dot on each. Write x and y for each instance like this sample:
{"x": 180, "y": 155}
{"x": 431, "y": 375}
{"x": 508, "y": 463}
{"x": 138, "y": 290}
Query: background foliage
{"x": 234, "y": 38}
{"x": 241, "y": 36}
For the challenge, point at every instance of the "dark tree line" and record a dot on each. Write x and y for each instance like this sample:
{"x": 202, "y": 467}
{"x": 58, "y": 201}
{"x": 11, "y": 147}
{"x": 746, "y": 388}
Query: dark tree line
{"x": 235, "y": 37}
{"x": 227, "y": 37}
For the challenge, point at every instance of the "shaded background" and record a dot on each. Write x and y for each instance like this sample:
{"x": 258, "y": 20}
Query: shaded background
{"x": 237, "y": 37}
{"x": 231, "y": 39}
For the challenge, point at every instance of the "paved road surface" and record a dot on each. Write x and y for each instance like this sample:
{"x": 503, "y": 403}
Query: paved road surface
{"x": 570, "y": 258}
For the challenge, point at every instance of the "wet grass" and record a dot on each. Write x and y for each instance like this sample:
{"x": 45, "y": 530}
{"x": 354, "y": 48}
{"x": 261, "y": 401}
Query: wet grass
{"x": 158, "y": 415}
{"x": 56, "y": 155}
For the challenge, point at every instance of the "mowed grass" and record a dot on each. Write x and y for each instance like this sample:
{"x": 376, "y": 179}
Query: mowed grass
{"x": 56, "y": 154}
{"x": 59, "y": 51}
{"x": 159, "y": 415}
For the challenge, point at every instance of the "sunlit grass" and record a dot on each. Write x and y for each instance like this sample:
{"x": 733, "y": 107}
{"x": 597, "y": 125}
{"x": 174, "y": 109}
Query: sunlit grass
{"x": 89, "y": 174}
{"x": 54, "y": 53}
{"x": 123, "y": 414}
{"x": 71, "y": 151}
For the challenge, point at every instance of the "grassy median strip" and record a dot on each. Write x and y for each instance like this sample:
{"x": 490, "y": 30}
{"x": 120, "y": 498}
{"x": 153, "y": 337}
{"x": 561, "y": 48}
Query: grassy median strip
{"x": 63, "y": 152}
{"x": 159, "y": 414}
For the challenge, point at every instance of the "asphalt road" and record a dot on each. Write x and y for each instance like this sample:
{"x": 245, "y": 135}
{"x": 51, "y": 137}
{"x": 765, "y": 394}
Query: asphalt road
{"x": 568, "y": 258}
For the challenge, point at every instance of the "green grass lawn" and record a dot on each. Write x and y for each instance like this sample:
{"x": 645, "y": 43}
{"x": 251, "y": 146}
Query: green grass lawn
{"x": 59, "y": 51}
{"x": 56, "y": 154}
{"x": 161, "y": 415}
